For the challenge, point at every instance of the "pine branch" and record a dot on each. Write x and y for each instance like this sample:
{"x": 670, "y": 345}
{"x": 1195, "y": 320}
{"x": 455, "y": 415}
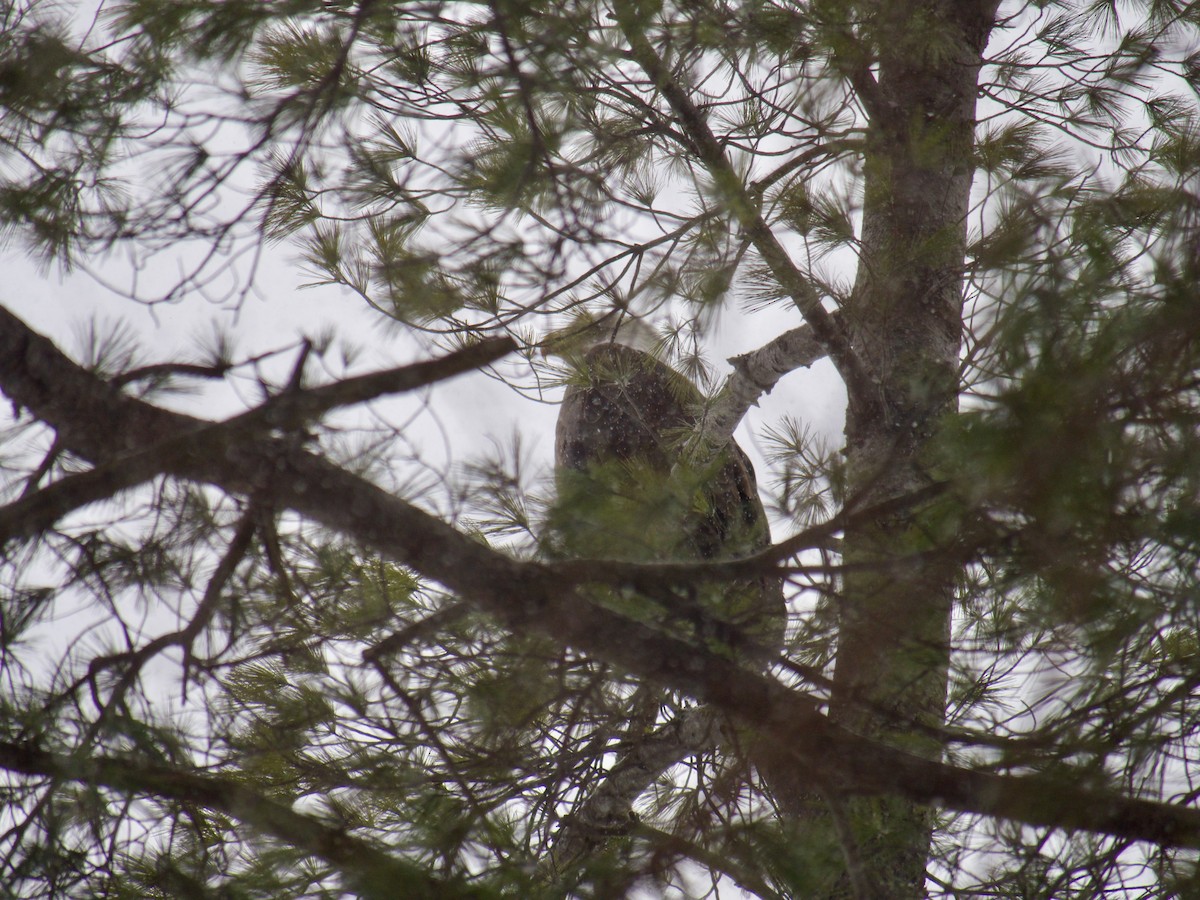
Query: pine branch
{"x": 370, "y": 871}
{"x": 96, "y": 422}
{"x": 116, "y": 470}
{"x": 754, "y": 374}
{"x": 747, "y": 212}
{"x": 608, "y": 811}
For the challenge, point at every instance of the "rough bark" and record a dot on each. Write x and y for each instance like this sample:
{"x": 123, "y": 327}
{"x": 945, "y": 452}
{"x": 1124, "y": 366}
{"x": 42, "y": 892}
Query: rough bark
{"x": 905, "y": 320}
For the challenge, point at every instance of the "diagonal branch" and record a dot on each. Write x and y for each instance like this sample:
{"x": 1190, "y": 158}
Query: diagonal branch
{"x": 754, "y": 374}
{"x": 96, "y": 421}
{"x": 747, "y": 211}
{"x": 117, "y": 471}
{"x": 296, "y": 407}
{"x": 369, "y": 870}
{"x": 608, "y": 810}
{"x": 136, "y": 659}
{"x": 35, "y": 512}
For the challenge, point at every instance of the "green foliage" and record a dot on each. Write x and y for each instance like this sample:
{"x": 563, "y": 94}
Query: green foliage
{"x": 469, "y": 169}
{"x": 203, "y": 29}
{"x": 826, "y": 218}
{"x": 297, "y": 58}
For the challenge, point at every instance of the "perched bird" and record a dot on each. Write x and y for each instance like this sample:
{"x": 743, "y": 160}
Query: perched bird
{"x": 627, "y": 490}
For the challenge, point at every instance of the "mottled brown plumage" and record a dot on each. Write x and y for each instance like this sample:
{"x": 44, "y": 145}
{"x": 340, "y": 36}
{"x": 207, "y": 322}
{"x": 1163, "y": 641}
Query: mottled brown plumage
{"x": 623, "y": 493}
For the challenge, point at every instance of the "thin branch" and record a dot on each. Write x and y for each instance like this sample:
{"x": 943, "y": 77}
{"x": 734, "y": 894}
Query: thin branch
{"x": 42, "y": 470}
{"x": 164, "y": 370}
{"x": 35, "y": 512}
{"x": 742, "y": 875}
{"x": 419, "y": 630}
{"x": 184, "y": 637}
{"x": 296, "y": 407}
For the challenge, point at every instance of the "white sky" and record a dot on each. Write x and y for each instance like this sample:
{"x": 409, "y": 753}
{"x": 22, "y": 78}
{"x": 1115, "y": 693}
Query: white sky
{"x": 468, "y": 414}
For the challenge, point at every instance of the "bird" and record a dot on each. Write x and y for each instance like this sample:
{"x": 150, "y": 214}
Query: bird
{"x": 627, "y": 488}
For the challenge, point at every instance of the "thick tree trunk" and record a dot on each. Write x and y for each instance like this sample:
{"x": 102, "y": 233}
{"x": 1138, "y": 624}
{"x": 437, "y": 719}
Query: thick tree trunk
{"x": 905, "y": 319}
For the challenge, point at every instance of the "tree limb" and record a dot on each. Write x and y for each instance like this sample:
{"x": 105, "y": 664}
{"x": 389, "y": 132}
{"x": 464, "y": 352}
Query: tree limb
{"x": 38, "y": 510}
{"x": 370, "y": 871}
{"x": 96, "y": 422}
{"x": 295, "y": 407}
{"x": 754, "y": 374}
{"x": 608, "y": 810}
{"x": 747, "y": 212}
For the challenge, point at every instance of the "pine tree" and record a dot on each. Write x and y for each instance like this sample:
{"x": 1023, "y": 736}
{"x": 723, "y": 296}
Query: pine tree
{"x": 285, "y": 652}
